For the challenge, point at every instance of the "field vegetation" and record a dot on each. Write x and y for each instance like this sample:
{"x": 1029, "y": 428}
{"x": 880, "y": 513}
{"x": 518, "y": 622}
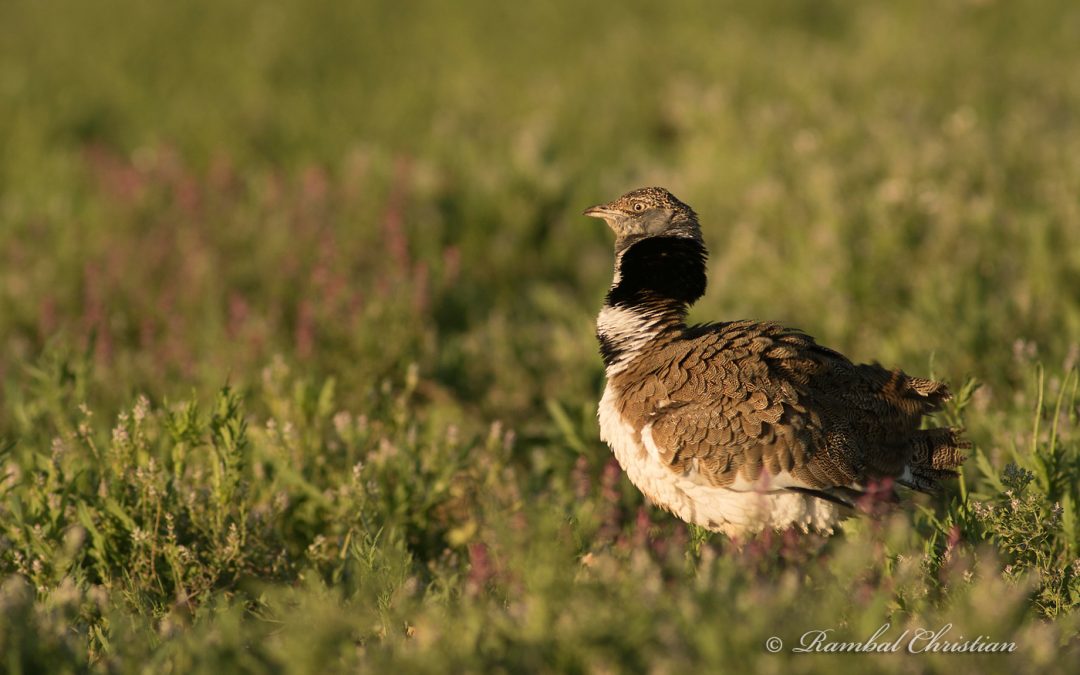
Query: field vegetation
{"x": 297, "y": 366}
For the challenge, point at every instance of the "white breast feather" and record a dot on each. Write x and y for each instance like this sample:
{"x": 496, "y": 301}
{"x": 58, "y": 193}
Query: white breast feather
{"x": 630, "y": 329}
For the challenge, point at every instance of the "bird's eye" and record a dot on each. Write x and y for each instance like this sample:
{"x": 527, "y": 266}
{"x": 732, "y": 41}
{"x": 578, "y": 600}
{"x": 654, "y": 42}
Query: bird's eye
{"x": 639, "y": 206}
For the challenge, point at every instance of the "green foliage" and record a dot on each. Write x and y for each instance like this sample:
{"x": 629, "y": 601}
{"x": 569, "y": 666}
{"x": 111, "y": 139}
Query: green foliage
{"x": 297, "y": 370}
{"x": 1031, "y": 514}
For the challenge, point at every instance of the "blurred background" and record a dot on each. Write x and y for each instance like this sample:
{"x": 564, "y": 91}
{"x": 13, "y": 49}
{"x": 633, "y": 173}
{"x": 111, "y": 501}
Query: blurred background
{"x": 386, "y": 196}
{"x": 358, "y": 186}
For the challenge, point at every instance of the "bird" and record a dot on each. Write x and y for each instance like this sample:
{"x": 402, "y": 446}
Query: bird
{"x": 745, "y": 426}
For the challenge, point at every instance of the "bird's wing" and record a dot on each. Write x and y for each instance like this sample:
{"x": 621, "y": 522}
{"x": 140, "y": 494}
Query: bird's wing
{"x": 754, "y": 405}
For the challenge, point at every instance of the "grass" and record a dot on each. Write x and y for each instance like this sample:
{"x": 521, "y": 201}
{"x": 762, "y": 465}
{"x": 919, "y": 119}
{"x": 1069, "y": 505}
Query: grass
{"x": 296, "y": 308}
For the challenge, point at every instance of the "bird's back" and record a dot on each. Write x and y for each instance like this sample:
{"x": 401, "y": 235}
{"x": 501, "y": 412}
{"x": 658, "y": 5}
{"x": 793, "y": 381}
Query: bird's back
{"x": 744, "y": 401}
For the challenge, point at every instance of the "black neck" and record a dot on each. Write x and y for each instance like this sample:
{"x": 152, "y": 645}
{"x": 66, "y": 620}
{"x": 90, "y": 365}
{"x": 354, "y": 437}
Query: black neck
{"x": 660, "y": 273}
{"x": 656, "y": 281}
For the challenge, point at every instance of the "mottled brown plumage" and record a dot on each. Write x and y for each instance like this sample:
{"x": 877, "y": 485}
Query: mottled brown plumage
{"x": 741, "y": 398}
{"x": 743, "y": 406}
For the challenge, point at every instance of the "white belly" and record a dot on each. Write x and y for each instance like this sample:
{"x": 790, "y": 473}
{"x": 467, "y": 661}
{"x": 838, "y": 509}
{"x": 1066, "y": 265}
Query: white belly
{"x": 733, "y": 512}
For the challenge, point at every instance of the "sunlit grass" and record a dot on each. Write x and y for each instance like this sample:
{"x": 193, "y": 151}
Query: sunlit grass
{"x": 297, "y": 367}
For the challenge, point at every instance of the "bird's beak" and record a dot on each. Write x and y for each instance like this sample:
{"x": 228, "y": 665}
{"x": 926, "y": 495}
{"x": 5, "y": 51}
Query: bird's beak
{"x": 598, "y": 211}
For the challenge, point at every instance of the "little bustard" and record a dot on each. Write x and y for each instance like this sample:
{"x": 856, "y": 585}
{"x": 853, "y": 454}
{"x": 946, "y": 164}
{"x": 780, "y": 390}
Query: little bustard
{"x": 744, "y": 426}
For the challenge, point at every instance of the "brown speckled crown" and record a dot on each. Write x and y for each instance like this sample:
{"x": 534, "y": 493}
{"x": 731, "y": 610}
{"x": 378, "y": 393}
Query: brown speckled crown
{"x": 653, "y": 197}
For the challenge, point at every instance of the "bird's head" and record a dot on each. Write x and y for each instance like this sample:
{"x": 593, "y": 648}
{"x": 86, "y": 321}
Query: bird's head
{"x": 647, "y": 212}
